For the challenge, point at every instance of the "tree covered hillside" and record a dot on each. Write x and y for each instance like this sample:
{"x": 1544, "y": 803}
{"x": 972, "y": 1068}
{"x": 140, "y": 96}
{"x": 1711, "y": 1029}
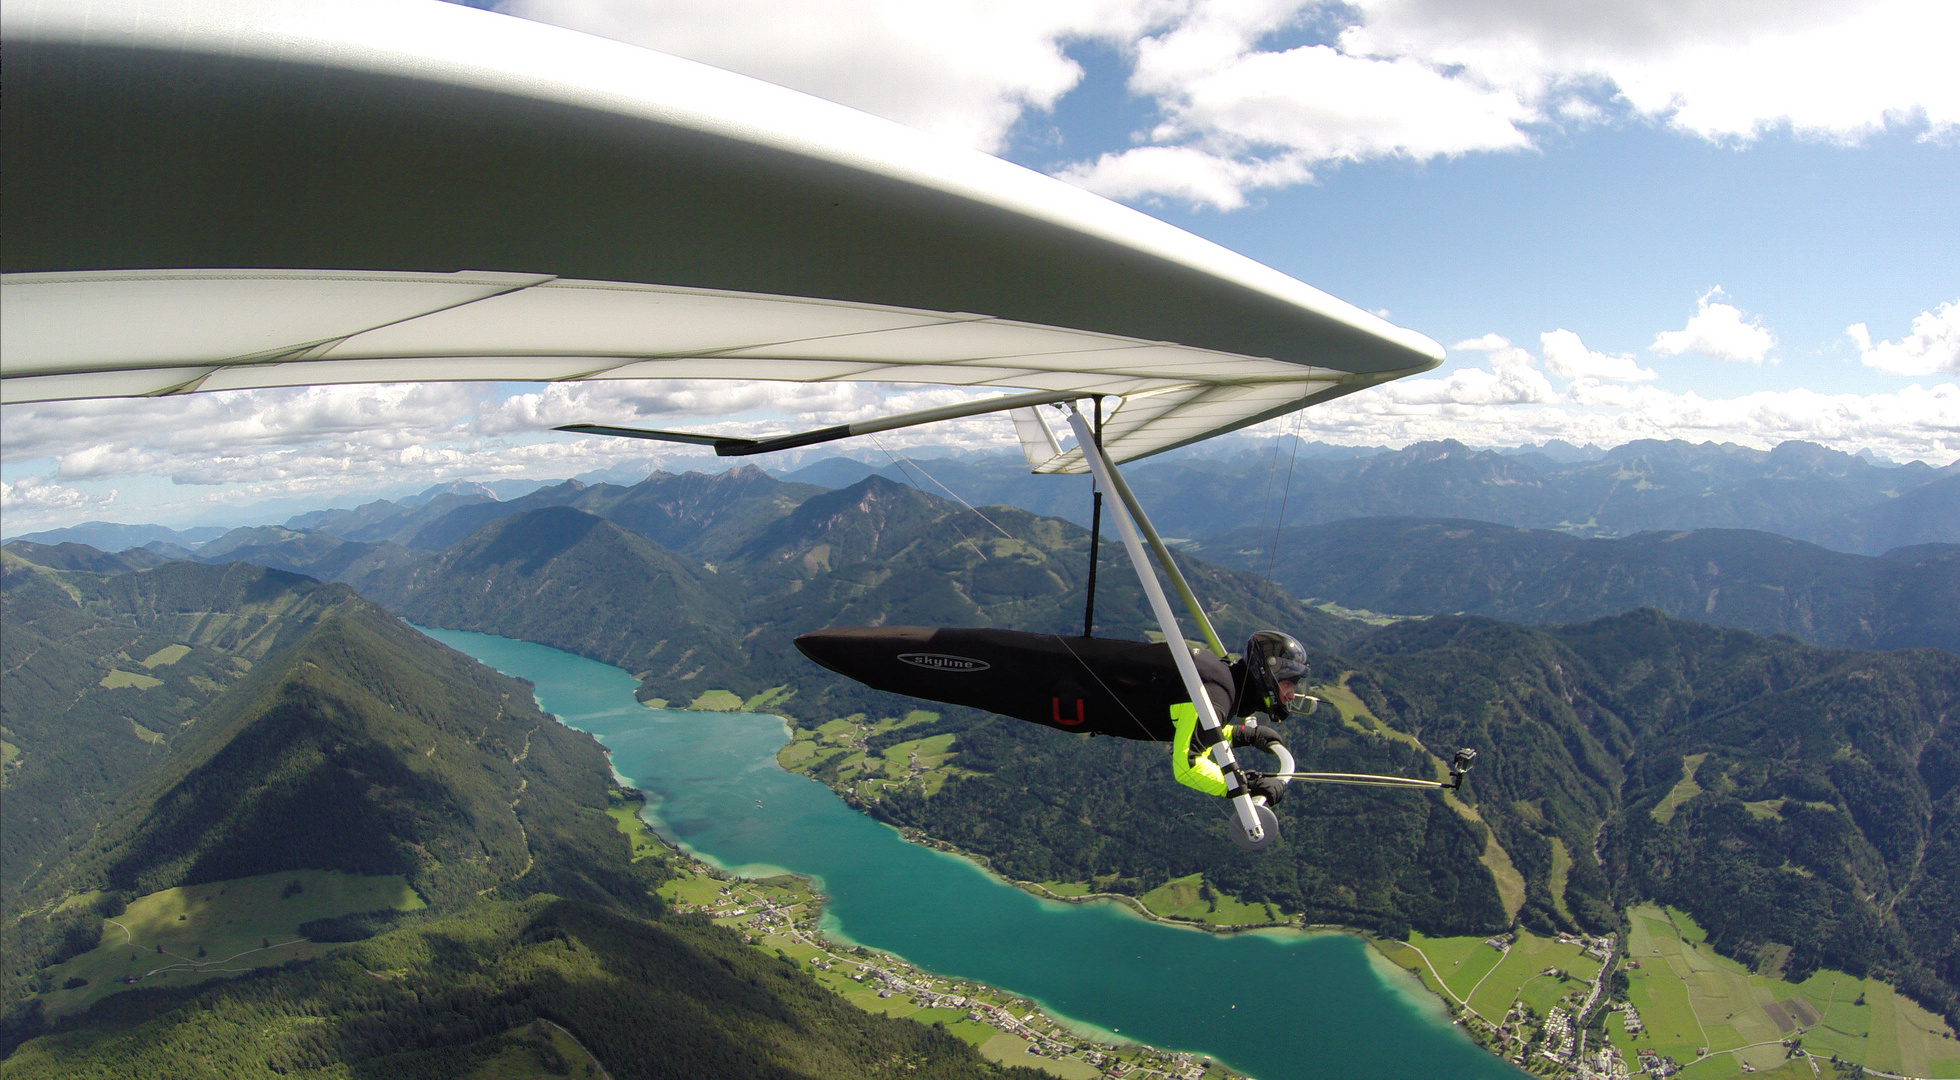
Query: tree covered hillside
{"x": 1910, "y": 598}
{"x": 876, "y": 553}
{"x": 347, "y": 742}
{"x": 1802, "y": 803}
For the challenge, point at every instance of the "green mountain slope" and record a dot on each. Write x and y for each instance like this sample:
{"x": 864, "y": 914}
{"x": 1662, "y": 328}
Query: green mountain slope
{"x": 667, "y": 999}
{"x": 877, "y": 553}
{"x": 1819, "y": 810}
{"x": 1750, "y": 580}
{"x": 107, "y": 676}
{"x": 338, "y": 739}
{"x": 355, "y": 744}
{"x": 693, "y": 512}
{"x": 73, "y": 556}
{"x": 573, "y": 581}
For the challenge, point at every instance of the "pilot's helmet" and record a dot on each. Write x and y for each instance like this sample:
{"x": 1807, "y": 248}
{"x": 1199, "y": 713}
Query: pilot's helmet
{"x": 1272, "y": 658}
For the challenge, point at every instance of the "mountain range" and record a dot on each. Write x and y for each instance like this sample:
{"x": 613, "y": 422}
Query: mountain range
{"x": 1398, "y": 566}
{"x": 1909, "y": 598}
{"x": 1799, "y": 490}
{"x": 1844, "y": 502}
{"x": 1801, "y": 801}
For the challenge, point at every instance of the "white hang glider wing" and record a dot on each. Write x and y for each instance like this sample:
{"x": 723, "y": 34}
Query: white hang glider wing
{"x": 226, "y": 194}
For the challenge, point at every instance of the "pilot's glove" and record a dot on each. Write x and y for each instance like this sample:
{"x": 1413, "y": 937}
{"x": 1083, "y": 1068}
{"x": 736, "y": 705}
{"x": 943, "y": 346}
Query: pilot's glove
{"x": 1257, "y": 784}
{"x": 1260, "y": 737}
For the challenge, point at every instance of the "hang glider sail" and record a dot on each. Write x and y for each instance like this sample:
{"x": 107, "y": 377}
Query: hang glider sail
{"x": 296, "y": 192}
{"x": 267, "y": 193}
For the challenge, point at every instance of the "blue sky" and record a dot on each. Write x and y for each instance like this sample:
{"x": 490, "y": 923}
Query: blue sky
{"x": 1660, "y": 219}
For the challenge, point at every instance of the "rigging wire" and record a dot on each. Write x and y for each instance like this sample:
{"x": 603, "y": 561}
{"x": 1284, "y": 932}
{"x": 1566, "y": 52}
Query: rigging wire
{"x": 956, "y": 495}
{"x": 900, "y": 466}
{"x": 1113, "y": 696}
{"x": 1266, "y": 501}
{"x": 1273, "y": 559}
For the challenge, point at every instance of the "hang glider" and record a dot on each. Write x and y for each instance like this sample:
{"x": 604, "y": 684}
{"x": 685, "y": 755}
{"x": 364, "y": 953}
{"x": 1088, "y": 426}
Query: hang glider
{"x": 296, "y": 192}
{"x": 269, "y": 193}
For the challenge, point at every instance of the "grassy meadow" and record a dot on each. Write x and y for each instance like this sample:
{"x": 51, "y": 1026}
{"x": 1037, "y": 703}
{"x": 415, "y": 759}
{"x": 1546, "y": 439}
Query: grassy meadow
{"x": 1691, "y": 998}
{"x": 183, "y": 936}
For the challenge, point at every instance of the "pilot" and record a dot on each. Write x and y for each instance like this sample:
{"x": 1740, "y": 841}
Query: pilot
{"x": 1085, "y": 685}
{"x": 1265, "y": 679}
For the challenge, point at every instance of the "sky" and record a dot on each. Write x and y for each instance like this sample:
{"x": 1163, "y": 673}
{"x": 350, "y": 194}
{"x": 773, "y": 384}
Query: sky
{"x": 1711, "y": 220}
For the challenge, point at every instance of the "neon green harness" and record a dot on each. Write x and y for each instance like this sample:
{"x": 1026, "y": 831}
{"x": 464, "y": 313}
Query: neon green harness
{"x": 1197, "y": 772}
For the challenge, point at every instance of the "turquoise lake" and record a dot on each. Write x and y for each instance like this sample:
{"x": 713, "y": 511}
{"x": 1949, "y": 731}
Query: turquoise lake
{"x": 1278, "y": 1007}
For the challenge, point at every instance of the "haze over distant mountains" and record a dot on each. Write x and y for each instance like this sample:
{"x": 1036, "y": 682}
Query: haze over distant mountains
{"x": 1799, "y": 490}
{"x": 1750, "y": 579}
{"x": 1841, "y": 501}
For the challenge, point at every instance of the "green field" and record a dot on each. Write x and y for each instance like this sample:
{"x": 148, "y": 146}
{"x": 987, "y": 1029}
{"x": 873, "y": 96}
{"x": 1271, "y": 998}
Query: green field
{"x": 835, "y": 754}
{"x": 716, "y": 701}
{"x": 692, "y": 888}
{"x": 1461, "y": 962}
{"x": 628, "y": 821}
{"x": 166, "y": 656}
{"x": 1561, "y": 867}
{"x": 1491, "y": 981}
{"x": 1682, "y": 791}
{"x": 187, "y": 935}
{"x": 768, "y": 699}
{"x": 1691, "y": 998}
{"x": 1190, "y": 898}
{"x": 118, "y": 678}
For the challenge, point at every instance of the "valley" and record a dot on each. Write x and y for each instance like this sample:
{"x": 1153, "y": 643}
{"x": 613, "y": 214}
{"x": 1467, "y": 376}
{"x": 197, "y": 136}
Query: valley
{"x": 1632, "y": 758}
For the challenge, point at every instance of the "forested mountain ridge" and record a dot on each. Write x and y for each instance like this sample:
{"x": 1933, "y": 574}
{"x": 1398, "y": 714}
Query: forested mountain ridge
{"x": 1750, "y": 580}
{"x": 354, "y": 744}
{"x": 1833, "y": 794}
{"x": 107, "y": 675}
{"x": 296, "y": 726}
{"x": 877, "y": 553}
{"x": 573, "y": 581}
{"x": 689, "y": 512}
{"x": 72, "y": 556}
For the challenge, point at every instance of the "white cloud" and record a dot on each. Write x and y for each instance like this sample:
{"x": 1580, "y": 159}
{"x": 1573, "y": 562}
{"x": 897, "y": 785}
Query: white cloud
{"x": 1569, "y": 358}
{"x": 962, "y": 69}
{"x": 1917, "y": 423}
{"x": 1719, "y": 331}
{"x": 1933, "y": 347}
{"x": 1716, "y": 68}
{"x": 32, "y": 493}
{"x": 1396, "y": 78}
{"x": 1513, "y": 378}
{"x": 32, "y": 502}
{"x": 349, "y": 441}
{"x": 1185, "y": 173}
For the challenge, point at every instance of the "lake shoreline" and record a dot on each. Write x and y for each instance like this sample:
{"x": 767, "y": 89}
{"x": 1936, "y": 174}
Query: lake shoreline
{"x": 1148, "y": 1060}
{"x": 732, "y": 805}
